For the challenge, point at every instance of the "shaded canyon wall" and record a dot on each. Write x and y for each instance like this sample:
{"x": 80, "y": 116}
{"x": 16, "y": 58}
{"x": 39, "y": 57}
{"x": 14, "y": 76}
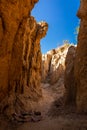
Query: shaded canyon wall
{"x": 69, "y": 78}
{"x": 76, "y": 78}
{"x": 81, "y": 60}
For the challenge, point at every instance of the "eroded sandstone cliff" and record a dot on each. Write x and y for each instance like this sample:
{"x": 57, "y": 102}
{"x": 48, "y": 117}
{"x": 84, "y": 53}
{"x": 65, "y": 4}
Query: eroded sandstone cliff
{"x": 81, "y": 60}
{"x": 76, "y": 74}
{"x": 20, "y": 55}
{"x": 53, "y": 65}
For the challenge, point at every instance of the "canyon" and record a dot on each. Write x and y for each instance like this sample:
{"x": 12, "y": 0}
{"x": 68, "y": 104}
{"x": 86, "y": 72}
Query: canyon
{"x": 33, "y": 84}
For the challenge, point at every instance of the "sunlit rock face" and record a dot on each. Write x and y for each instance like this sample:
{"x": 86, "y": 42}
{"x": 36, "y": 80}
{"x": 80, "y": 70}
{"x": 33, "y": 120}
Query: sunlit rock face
{"x": 53, "y": 64}
{"x": 81, "y": 60}
{"x": 46, "y": 62}
{"x": 20, "y": 55}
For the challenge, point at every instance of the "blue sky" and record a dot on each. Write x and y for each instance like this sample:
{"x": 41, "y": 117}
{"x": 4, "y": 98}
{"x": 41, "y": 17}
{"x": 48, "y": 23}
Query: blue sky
{"x": 61, "y": 18}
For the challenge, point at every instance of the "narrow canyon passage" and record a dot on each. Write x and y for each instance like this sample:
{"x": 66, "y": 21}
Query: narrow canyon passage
{"x": 54, "y": 116}
{"x": 38, "y": 91}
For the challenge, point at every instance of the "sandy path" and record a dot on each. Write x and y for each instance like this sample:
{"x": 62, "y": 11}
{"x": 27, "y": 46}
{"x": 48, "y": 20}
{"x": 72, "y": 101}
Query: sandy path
{"x": 60, "y": 122}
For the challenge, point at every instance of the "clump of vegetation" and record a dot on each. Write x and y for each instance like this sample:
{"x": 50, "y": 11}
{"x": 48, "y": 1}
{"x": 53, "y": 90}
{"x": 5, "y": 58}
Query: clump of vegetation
{"x": 66, "y": 43}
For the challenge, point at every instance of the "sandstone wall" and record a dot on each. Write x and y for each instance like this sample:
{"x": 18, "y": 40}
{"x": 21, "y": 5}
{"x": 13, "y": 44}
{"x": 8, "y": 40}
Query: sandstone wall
{"x": 46, "y": 62}
{"x": 54, "y": 64}
{"x": 69, "y": 78}
{"x": 76, "y": 66}
{"x": 81, "y": 60}
{"x": 20, "y": 54}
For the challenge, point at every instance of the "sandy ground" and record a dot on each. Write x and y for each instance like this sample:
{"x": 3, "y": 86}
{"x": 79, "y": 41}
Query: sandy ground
{"x": 53, "y": 116}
